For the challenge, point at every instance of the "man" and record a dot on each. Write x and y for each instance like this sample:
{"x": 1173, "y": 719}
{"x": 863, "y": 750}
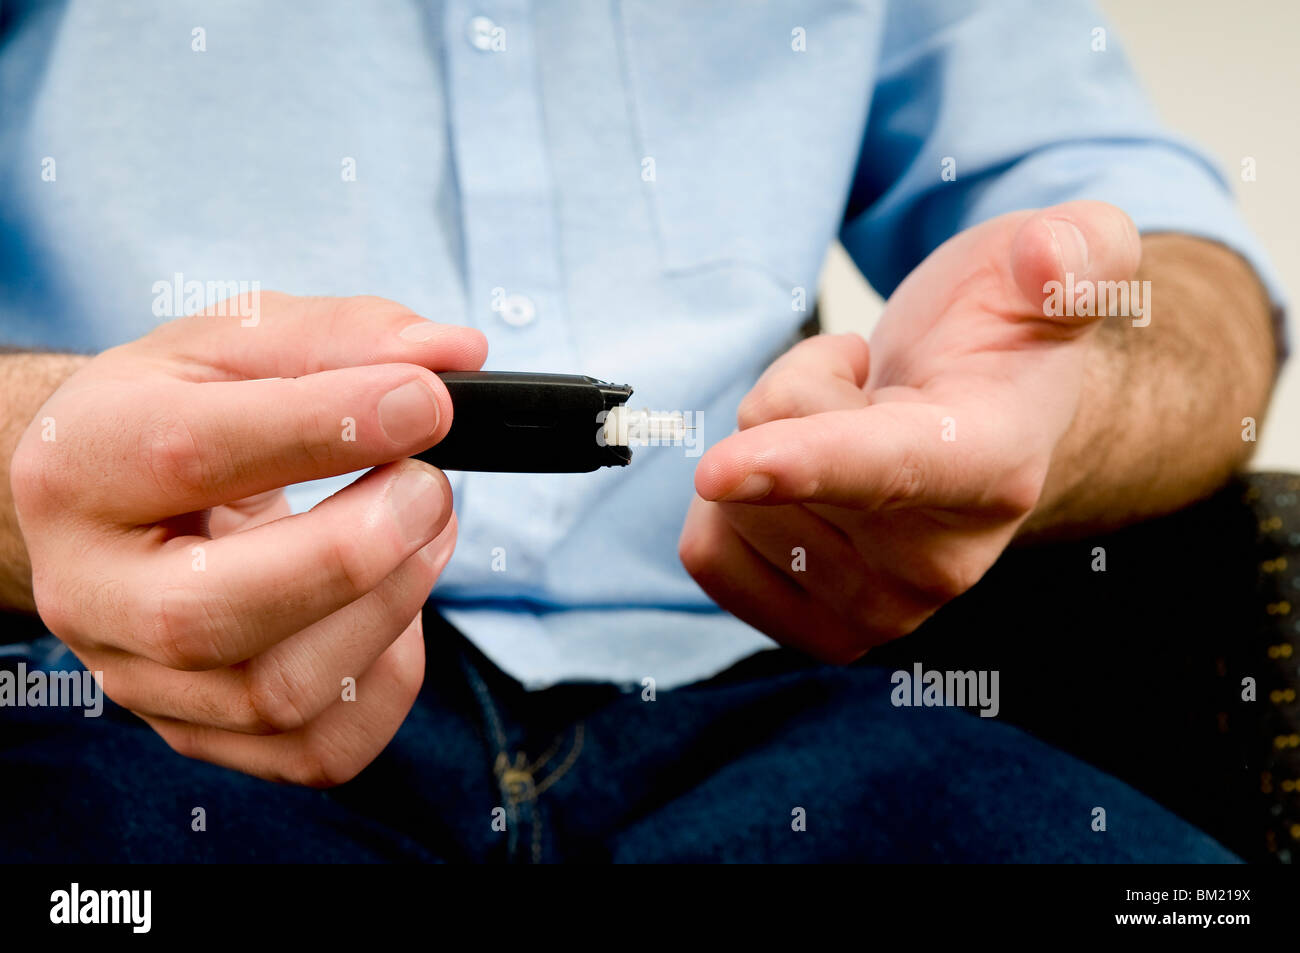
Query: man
{"x": 642, "y": 192}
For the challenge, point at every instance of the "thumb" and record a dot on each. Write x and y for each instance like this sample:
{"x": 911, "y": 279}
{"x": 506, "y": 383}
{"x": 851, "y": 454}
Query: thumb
{"x": 1060, "y": 255}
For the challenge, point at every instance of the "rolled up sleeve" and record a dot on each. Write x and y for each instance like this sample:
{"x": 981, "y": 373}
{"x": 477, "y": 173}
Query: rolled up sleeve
{"x": 990, "y": 107}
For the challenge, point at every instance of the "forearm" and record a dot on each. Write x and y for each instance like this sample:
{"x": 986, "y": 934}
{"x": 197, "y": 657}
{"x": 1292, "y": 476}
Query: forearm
{"x": 26, "y": 381}
{"x": 1159, "y": 423}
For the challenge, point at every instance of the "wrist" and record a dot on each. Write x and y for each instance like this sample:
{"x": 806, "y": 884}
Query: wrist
{"x": 1078, "y": 460}
{"x": 26, "y": 383}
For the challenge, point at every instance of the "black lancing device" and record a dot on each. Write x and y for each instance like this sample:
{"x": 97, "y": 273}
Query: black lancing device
{"x": 520, "y": 422}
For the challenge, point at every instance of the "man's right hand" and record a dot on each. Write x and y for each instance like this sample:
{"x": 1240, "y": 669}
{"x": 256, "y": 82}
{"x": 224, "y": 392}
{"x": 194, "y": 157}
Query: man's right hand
{"x": 147, "y": 489}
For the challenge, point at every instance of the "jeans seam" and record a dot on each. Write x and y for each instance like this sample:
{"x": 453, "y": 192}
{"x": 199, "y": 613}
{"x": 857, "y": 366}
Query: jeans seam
{"x": 547, "y": 756}
{"x": 579, "y": 739}
{"x": 521, "y": 776}
{"x": 500, "y": 763}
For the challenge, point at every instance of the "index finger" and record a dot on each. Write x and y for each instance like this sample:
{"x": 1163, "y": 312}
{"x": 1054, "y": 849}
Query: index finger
{"x": 844, "y": 356}
{"x": 268, "y": 334}
{"x": 182, "y": 447}
{"x": 889, "y": 454}
{"x": 821, "y": 373}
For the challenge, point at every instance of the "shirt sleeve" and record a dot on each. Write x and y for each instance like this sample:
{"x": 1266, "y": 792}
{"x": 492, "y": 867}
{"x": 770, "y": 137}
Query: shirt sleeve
{"x": 1024, "y": 104}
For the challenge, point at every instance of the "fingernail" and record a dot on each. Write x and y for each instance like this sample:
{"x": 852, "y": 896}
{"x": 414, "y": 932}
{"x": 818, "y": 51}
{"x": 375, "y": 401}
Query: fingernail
{"x": 423, "y": 331}
{"x": 408, "y": 413}
{"x": 1070, "y": 245}
{"x": 417, "y": 505}
{"x": 753, "y": 487}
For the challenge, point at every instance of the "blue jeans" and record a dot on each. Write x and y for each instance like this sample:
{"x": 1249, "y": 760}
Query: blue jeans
{"x": 775, "y": 760}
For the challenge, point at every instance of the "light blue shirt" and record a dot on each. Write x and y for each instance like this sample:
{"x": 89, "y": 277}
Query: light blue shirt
{"x": 645, "y": 188}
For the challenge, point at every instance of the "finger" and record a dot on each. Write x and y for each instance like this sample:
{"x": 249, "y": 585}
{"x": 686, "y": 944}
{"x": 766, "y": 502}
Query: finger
{"x": 248, "y": 512}
{"x": 260, "y": 507}
{"x": 268, "y": 334}
{"x": 1073, "y": 245}
{"x": 299, "y": 678}
{"x": 334, "y": 747}
{"x": 741, "y": 581}
{"x": 843, "y": 356}
{"x": 201, "y": 445}
{"x": 822, "y": 373}
{"x": 929, "y": 556}
{"x": 822, "y": 561}
{"x": 208, "y": 603}
{"x": 290, "y": 684}
{"x": 889, "y": 454}
{"x": 813, "y": 554}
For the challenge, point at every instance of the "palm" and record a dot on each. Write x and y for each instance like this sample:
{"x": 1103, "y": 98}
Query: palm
{"x": 903, "y": 470}
{"x": 962, "y": 338}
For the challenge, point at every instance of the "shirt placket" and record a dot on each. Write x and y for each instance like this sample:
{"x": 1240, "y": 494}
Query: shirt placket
{"x": 511, "y": 245}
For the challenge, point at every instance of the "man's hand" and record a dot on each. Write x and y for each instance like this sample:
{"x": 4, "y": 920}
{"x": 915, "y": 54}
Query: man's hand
{"x": 864, "y": 490}
{"x": 148, "y": 493}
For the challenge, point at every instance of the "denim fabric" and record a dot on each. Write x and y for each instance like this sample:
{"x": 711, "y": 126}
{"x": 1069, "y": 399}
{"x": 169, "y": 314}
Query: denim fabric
{"x": 713, "y": 772}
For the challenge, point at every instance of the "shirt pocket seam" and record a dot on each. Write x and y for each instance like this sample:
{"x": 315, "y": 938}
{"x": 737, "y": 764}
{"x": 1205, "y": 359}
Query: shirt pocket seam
{"x": 674, "y": 260}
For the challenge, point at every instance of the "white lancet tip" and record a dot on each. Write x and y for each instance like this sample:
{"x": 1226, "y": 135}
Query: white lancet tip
{"x": 625, "y": 427}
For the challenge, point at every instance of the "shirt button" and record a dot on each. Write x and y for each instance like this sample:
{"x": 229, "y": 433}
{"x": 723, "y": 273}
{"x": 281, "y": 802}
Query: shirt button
{"x": 480, "y": 33}
{"x": 517, "y": 310}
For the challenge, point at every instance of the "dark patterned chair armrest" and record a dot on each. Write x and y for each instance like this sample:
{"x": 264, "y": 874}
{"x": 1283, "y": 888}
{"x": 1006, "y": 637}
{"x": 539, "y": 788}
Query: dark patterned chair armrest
{"x": 1172, "y": 666}
{"x": 1270, "y": 654}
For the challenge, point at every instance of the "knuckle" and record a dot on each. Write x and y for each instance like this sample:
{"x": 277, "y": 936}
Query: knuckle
{"x": 941, "y": 581}
{"x": 1017, "y": 495}
{"x": 754, "y": 409}
{"x": 773, "y": 398}
{"x": 348, "y": 312}
{"x": 748, "y": 413}
{"x": 273, "y": 696}
{"x": 171, "y": 457}
{"x": 852, "y": 346}
{"x": 906, "y": 482}
{"x": 316, "y": 435}
{"x": 321, "y": 766}
{"x": 888, "y": 615}
{"x": 956, "y": 581}
{"x": 328, "y": 759}
{"x": 215, "y": 709}
{"x": 348, "y": 563}
{"x": 182, "y": 739}
{"x": 31, "y": 479}
{"x": 366, "y": 304}
{"x": 180, "y": 631}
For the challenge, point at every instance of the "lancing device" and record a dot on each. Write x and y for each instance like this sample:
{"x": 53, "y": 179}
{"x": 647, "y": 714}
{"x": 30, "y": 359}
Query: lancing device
{"x": 518, "y": 422}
